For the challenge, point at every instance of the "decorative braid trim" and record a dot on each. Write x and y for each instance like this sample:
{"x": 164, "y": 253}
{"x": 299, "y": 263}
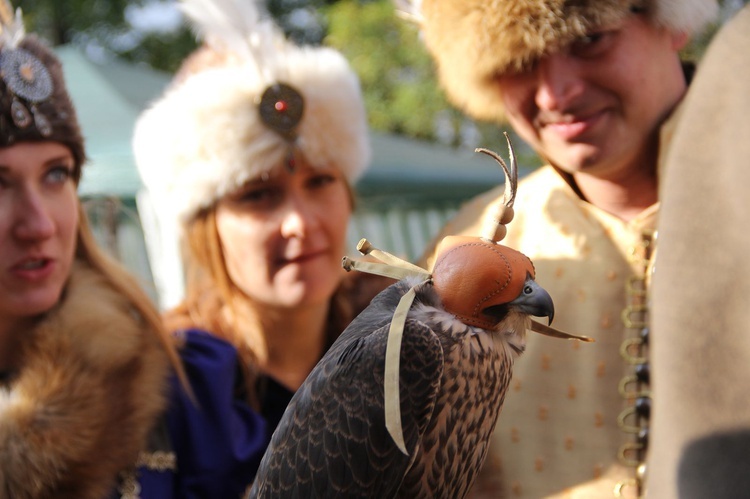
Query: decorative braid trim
{"x": 158, "y": 461}
{"x": 130, "y": 487}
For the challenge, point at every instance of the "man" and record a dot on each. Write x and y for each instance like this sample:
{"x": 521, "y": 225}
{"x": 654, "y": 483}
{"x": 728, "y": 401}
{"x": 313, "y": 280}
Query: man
{"x": 590, "y": 85}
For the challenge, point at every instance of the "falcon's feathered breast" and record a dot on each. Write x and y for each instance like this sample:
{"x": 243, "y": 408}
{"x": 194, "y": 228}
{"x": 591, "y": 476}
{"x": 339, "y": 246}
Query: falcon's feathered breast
{"x": 333, "y": 442}
{"x": 405, "y": 401}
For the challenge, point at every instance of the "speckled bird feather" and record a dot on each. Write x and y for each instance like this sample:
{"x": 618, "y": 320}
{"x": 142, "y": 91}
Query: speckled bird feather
{"x": 332, "y": 440}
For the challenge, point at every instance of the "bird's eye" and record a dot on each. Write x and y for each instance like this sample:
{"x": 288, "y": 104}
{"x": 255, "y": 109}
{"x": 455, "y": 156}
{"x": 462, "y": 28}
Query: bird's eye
{"x": 528, "y": 290}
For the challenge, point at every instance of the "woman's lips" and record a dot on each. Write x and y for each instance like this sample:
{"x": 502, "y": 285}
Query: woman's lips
{"x": 33, "y": 269}
{"x": 304, "y": 258}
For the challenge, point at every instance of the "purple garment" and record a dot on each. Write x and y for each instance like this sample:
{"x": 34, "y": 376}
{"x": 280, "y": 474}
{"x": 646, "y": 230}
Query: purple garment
{"x": 218, "y": 440}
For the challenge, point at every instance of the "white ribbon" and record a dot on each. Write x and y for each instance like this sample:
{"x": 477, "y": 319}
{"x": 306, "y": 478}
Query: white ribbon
{"x": 396, "y": 268}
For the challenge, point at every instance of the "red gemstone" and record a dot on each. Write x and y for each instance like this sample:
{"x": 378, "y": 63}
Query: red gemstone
{"x": 280, "y": 106}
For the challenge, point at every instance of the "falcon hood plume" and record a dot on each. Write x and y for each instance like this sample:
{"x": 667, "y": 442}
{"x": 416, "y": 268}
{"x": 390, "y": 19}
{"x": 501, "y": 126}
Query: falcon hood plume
{"x": 405, "y": 401}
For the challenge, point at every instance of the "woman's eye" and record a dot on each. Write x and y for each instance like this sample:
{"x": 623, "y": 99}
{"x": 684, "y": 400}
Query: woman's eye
{"x": 321, "y": 180}
{"x": 258, "y": 196}
{"x": 58, "y": 174}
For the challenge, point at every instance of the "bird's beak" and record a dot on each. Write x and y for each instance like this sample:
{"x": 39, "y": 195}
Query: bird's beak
{"x": 534, "y": 300}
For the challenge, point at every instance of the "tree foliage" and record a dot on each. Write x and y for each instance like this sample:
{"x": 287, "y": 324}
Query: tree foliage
{"x": 101, "y": 27}
{"x": 398, "y": 79}
{"x": 398, "y": 76}
{"x": 395, "y": 72}
{"x": 60, "y": 21}
{"x": 163, "y": 51}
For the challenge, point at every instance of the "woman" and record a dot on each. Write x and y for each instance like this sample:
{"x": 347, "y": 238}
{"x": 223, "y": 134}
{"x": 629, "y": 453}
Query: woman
{"x": 93, "y": 396}
{"x": 81, "y": 349}
{"x": 253, "y": 151}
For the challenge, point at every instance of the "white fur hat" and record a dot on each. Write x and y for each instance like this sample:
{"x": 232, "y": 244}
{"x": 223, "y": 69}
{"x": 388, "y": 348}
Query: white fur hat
{"x": 205, "y": 136}
{"x": 472, "y": 41}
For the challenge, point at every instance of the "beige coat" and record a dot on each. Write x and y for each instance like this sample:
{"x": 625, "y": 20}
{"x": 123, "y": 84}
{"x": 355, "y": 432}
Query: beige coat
{"x": 701, "y": 286}
{"x": 558, "y": 434}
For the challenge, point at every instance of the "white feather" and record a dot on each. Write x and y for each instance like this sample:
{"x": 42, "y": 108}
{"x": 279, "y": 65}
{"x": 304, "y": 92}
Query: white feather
{"x": 12, "y": 29}
{"x": 239, "y": 27}
{"x": 411, "y": 10}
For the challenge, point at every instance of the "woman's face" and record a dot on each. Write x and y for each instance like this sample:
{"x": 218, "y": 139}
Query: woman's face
{"x": 38, "y": 223}
{"x": 283, "y": 235}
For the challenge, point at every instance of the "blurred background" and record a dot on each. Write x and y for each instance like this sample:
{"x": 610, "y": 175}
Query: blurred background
{"x": 119, "y": 55}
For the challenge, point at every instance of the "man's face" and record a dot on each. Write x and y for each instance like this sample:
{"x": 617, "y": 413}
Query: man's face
{"x": 596, "y": 106}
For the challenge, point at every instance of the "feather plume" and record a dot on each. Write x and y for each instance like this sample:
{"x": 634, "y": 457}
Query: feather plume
{"x": 12, "y": 30}
{"x": 410, "y": 10}
{"x": 6, "y": 12}
{"x": 239, "y": 27}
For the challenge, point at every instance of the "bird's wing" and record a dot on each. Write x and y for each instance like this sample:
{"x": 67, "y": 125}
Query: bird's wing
{"x": 332, "y": 440}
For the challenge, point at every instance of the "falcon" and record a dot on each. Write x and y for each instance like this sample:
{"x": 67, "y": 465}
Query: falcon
{"x": 405, "y": 401}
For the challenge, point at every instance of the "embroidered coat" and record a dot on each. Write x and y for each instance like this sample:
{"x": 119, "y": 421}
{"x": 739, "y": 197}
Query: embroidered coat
{"x": 558, "y": 434}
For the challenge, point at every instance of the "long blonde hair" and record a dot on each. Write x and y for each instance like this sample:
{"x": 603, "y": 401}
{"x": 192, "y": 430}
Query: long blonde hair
{"x": 210, "y": 295}
{"x": 88, "y": 250}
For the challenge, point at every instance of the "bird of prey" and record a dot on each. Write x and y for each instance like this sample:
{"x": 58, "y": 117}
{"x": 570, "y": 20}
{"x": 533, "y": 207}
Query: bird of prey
{"x": 405, "y": 401}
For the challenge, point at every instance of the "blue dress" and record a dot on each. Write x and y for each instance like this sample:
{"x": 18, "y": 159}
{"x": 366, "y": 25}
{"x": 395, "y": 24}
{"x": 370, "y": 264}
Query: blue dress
{"x": 217, "y": 439}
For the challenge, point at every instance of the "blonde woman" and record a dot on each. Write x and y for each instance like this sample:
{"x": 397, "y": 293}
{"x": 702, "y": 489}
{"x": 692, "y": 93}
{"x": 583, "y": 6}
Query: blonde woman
{"x": 94, "y": 401}
{"x": 253, "y": 152}
{"x": 84, "y": 360}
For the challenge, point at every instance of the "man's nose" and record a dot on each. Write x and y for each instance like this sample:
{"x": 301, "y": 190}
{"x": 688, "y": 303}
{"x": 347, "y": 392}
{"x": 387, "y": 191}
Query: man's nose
{"x": 559, "y": 82}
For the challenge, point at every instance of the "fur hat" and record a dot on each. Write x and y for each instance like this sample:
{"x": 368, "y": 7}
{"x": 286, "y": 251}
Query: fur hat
{"x": 472, "y": 41}
{"x": 34, "y": 103}
{"x": 213, "y": 129}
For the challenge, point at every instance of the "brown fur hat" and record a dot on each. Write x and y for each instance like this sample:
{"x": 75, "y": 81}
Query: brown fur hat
{"x": 472, "y": 41}
{"x": 24, "y": 119}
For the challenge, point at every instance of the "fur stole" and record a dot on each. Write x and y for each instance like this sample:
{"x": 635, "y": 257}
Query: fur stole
{"x": 92, "y": 384}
